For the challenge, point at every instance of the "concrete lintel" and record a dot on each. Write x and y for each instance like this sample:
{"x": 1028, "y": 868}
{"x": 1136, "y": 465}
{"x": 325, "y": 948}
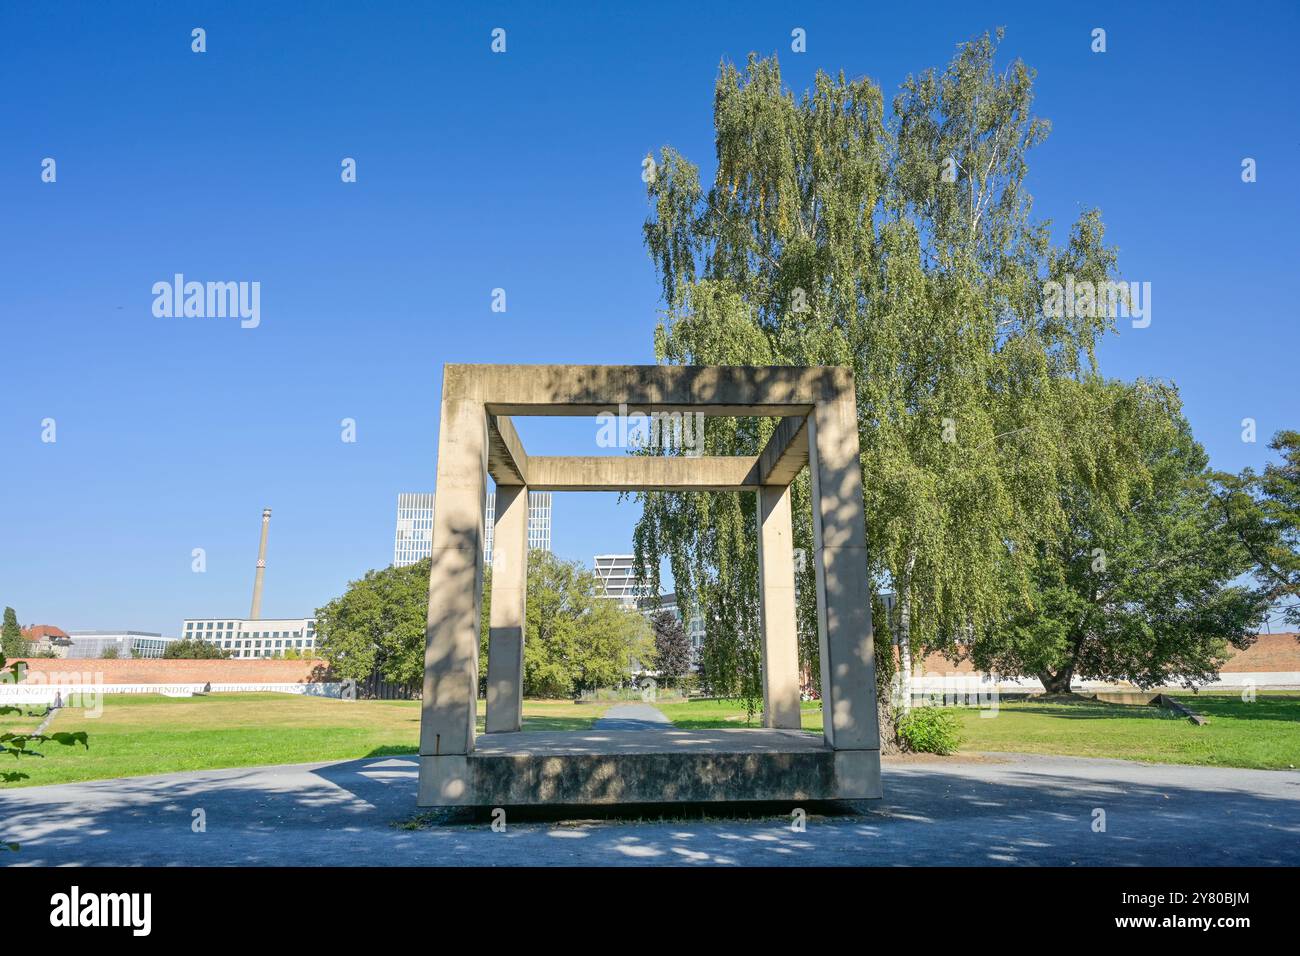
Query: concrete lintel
{"x": 786, "y": 452}
{"x": 591, "y": 389}
{"x": 641, "y": 473}
{"x": 507, "y": 460}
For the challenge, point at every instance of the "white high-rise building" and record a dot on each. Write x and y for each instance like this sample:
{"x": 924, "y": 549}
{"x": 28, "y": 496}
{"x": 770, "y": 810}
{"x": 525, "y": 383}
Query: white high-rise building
{"x": 414, "y": 539}
{"x": 617, "y": 574}
{"x": 265, "y": 637}
{"x": 414, "y": 528}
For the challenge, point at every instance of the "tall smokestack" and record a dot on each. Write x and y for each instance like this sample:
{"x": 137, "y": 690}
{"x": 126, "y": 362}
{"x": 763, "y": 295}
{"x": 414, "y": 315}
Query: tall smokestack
{"x": 256, "y": 612}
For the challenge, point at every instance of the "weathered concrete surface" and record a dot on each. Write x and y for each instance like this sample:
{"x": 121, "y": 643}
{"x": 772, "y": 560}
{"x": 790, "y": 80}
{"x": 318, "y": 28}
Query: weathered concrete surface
{"x": 1025, "y": 810}
{"x": 657, "y": 764}
{"x": 592, "y": 389}
{"x": 848, "y": 668}
{"x": 509, "y": 611}
{"x": 779, "y": 630}
{"x": 819, "y": 423}
{"x": 786, "y": 452}
{"x": 642, "y": 473}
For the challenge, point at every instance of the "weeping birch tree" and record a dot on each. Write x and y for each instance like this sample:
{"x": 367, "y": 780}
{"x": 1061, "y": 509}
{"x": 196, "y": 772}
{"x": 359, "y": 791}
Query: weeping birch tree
{"x": 900, "y": 244}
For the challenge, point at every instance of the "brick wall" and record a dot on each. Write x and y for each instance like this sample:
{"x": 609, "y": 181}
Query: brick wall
{"x": 1271, "y": 653}
{"x": 158, "y": 671}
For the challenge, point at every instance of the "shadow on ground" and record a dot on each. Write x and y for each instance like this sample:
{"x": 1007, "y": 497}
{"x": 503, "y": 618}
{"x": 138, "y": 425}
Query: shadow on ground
{"x": 1028, "y": 810}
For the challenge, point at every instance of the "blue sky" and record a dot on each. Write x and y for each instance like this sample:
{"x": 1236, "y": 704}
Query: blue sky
{"x": 521, "y": 171}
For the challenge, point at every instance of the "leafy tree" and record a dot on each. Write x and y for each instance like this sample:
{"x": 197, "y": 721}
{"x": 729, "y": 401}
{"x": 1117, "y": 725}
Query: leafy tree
{"x": 574, "y": 640}
{"x": 672, "y": 646}
{"x": 1139, "y": 590}
{"x": 19, "y": 745}
{"x": 109, "y": 654}
{"x": 12, "y": 642}
{"x": 193, "y": 649}
{"x": 1264, "y": 511}
{"x": 903, "y": 248}
{"x": 378, "y": 624}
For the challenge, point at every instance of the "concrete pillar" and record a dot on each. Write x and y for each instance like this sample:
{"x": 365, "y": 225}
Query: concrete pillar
{"x": 848, "y": 667}
{"x": 505, "y": 679}
{"x": 448, "y": 710}
{"x": 777, "y": 611}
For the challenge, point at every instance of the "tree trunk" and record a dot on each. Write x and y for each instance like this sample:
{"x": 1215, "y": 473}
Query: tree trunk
{"x": 905, "y": 633}
{"x": 1058, "y": 683}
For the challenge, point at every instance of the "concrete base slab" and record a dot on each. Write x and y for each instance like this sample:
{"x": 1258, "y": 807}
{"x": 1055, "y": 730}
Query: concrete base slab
{"x": 653, "y": 766}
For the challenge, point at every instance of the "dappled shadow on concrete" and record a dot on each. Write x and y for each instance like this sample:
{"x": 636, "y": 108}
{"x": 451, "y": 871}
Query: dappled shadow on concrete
{"x": 1026, "y": 810}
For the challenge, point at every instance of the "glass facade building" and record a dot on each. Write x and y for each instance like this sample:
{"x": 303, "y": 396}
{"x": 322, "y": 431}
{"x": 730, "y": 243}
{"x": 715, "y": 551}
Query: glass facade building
{"x": 414, "y": 539}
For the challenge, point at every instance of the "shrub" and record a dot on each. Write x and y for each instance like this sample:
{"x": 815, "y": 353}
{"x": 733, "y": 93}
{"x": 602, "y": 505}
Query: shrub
{"x": 930, "y": 730}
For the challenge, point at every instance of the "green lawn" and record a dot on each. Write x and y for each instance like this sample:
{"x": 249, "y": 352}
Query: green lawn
{"x": 721, "y": 712}
{"x": 1263, "y": 734}
{"x": 139, "y": 734}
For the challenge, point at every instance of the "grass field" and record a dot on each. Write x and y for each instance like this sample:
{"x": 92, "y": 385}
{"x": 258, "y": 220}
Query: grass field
{"x": 1264, "y": 734}
{"x": 138, "y": 735}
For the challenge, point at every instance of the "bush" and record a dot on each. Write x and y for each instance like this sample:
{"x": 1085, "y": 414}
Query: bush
{"x": 930, "y": 730}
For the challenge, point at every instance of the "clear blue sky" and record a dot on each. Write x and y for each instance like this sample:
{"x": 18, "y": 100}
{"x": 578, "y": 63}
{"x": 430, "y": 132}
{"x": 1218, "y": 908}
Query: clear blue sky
{"x": 519, "y": 171}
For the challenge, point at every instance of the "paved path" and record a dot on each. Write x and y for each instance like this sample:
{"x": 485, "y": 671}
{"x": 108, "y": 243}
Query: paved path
{"x": 1013, "y": 810}
{"x": 633, "y": 717}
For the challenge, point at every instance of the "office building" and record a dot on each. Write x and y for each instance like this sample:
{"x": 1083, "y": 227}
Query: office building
{"x": 245, "y": 638}
{"x": 414, "y": 528}
{"x": 125, "y": 644}
{"x": 414, "y": 539}
{"x": 617, "y": 576}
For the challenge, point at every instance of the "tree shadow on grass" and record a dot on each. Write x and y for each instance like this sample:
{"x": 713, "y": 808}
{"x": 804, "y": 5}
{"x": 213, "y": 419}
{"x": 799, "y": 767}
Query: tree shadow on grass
{"x": 1085, "y": 709}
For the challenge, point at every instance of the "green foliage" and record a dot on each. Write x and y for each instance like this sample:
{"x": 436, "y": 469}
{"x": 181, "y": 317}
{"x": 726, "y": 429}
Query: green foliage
{"x": 1139, "y": 588}
{"x": 12, "y": 643}
{"x": 572, "y": 642}
{"x": 109, "y": 654}
{"x": 1264, "y": 513}
{"x": 193, "y": 649}
{"x": 19, "y": 745}
{"x": 829, "y": 236}
{"x": 378, "y": 624}
{"x": 930, "y": 730}
{"x": 672, "y": 647}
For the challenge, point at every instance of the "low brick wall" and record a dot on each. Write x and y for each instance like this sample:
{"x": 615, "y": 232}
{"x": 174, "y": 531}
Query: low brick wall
{"x": 1271, "y": 652}
{"x": 1277, "y": 655}
{"x": 159, "y": 671}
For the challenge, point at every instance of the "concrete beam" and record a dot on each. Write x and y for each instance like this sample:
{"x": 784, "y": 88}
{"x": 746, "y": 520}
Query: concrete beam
{"x": 592, "y": 389}
{"x": 642, "y": 473}
{"x": 786, "y": 452}
{"x": 507, "y": 460}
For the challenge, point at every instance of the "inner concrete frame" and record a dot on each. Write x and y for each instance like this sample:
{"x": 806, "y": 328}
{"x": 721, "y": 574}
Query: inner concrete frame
{"x": 818, "y": 428}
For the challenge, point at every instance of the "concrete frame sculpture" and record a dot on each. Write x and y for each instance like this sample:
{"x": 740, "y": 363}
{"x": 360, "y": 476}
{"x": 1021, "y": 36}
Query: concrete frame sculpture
{"x": 819, "y": 428}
